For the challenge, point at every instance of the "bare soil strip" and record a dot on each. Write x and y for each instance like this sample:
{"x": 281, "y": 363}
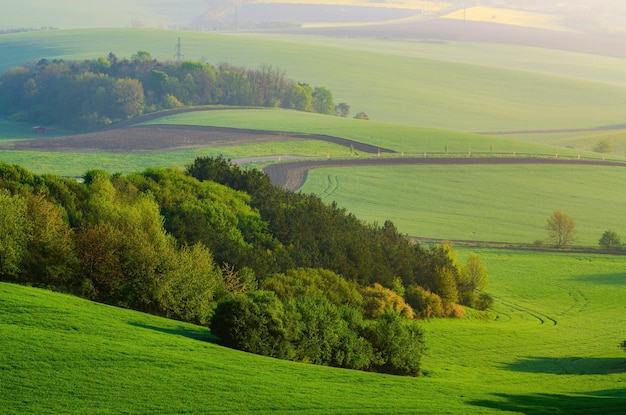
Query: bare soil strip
{"x": 167, "y": 137}
{"x": 292, "y": 175}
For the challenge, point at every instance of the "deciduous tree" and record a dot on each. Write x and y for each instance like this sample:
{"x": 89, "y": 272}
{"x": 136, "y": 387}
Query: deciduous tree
{"x": 610, "y": 240}
{"x": 561, "y": 229}
{"x": 14, "y": 227}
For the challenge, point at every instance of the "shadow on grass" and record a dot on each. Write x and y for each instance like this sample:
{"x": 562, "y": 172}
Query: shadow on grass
{"x": 200, "y": 333}
{"x": 600, "y": 402}
{"x": 569, "y": 365}
{"x": 603, "y": 279}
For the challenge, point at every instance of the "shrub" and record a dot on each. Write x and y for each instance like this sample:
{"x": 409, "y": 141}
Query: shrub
{"x": 323, "y": 333}
{"x": 425, "y": 304}
{"x": 398, "y": 344}
{"x": 380, "y": 300}
{"x": 610, "y": 240}
{"x": 252, "y": 323}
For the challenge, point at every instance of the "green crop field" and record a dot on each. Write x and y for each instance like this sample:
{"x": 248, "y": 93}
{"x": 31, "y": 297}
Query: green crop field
{"x": 77, "y": 164}
{"x": 400, "y": 138}
{"x": 484, "y": 203}
{"x": 549, "y": 345}
{"x": 392, "y": 81}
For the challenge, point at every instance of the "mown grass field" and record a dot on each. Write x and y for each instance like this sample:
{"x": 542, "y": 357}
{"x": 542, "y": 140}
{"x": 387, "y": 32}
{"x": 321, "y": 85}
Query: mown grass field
{"x": 395, "y": 81}
{"x": 549, "y": 345}
{"x": 484, "y": 203}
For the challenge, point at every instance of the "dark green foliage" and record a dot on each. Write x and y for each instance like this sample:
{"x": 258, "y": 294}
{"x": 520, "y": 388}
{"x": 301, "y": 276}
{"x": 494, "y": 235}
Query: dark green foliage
{"x": 623, "y": 345}
{"x": 94, "y": 93}
{"x": 610, "y": 240}
{"x": 253, "y": 323}
{"x": 398, "y": 344}
{"x": 323, "y": 333}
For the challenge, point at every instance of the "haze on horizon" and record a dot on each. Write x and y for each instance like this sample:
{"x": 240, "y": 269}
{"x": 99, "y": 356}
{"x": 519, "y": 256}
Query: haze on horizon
{"x": 193, "y": 14}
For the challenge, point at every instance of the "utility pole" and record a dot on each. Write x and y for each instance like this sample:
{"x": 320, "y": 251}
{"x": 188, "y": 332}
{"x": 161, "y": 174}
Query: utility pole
{"x": 179, "y": 55}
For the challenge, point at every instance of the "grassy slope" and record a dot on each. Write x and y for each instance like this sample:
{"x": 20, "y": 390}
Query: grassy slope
{"x": 485, "y": 203}
{"x": 400, "y": 138}
{"x": 65, "y": 355}
{"x": 76, "y": 164}
{"x": 403, "y": 139}
{"x": 394, "y": 81}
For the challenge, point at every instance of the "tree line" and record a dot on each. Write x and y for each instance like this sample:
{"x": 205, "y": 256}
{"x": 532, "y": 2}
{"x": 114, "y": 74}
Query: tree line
{"x": 268, "y": 270}
{"x": 94, "y": 93}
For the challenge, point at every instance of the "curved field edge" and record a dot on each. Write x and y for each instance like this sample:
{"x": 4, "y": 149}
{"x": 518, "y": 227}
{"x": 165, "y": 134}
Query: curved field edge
{"x": 85, "y": 357}
{"x": 397, "y": 137}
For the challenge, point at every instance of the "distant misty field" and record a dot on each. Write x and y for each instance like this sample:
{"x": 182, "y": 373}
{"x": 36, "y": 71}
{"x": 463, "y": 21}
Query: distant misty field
{"x": 449, "y": 85}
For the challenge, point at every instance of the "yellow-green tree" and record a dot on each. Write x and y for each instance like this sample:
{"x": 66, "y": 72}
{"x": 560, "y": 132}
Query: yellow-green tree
{"x": 561, "y": 229}
{"x": 14, "y": 233}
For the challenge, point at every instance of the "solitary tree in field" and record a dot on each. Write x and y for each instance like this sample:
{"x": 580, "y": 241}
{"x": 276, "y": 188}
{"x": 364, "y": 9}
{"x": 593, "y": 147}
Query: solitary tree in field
{"x": 561, "y": 229}
{"x": 610, "y": 240}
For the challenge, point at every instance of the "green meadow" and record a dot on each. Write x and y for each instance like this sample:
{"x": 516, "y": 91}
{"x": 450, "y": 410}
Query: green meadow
{"x": 76, "y": 164}
{"x": 394, "y": 81}
{"x": 550, "y": 343}
{"x": 482, "y": 202}
{"x": 399, "y": 138}
{"x": 548, "y": 346}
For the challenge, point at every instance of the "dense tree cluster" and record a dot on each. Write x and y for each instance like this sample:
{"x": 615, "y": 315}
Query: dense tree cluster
{"x": 94, "y": 93}
{"x": 271, "y": 271}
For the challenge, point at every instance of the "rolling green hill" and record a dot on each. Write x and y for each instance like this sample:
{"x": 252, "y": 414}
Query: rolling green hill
{"x": 393, "y": 81}
{"x": 545, "y": 347}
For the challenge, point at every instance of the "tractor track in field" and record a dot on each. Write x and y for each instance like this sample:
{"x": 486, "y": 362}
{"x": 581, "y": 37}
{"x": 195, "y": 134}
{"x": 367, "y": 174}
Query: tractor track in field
{"x": 543, "y": 318}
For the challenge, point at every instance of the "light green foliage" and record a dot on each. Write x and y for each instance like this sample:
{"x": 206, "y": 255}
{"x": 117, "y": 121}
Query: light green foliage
{"x": 445, "y": 285}
{"x": 14, "y": 232}
{"x": 561, "y": 229}
{"x": 191, "y": 286}
{"x": 50, "y": 258}
{"x": 380, "y": 300}
{"x": 313, "y": 283}
{"x": 474, "y": 274}
{"x": 323, "y": 101}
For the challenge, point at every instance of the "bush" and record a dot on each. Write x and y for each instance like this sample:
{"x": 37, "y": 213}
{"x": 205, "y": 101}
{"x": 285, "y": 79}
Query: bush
{"x": 380, "y": 300}
{"x": 398, "y": 344}
{"x": 610, "y": 240}
{"x": 425, "y": 304}
{"x": 326, "y": 334}
{"x": 252, "y": 323}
